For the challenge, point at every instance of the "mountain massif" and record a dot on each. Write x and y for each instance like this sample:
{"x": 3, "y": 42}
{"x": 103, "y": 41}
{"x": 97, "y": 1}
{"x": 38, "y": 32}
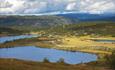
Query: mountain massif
{"x": 53, "y": 20}
{"x": 33, "y": 21}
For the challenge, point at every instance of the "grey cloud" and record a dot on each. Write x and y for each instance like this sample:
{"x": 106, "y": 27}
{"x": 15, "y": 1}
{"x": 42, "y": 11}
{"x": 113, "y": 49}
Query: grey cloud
{"x": 5, "y": 4}
{"x": 45, "y": 6}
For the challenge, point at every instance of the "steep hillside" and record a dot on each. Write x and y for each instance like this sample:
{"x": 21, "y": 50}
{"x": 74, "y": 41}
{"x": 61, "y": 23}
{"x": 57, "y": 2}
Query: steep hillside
{"x": 89, "y": 17}
{"x": 8, "y": 31}
{"x": 33, "y": 21}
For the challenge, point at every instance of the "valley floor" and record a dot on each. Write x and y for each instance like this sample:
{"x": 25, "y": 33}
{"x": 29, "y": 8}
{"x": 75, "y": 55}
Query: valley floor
{"x": 70, "y": 43}
{"x": 87, "y": 44}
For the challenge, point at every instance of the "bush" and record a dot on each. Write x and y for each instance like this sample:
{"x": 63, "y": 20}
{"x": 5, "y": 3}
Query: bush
{"x": 46, "y": 60}
{"x": 61, "y": 60}
{"x": 111, "y": 60}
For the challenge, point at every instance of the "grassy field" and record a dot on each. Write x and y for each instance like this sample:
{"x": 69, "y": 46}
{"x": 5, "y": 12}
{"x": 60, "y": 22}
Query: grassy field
{"x": 86, "y": 44}
{"x": 13, "y": 64}
{"x": 73, "y": 43}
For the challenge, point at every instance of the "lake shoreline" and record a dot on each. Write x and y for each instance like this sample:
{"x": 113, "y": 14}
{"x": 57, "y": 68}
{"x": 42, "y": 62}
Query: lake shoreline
{"x": 58, "y": 43}
{"x": 16, "y": 64}
{"x": 39, "y": 54}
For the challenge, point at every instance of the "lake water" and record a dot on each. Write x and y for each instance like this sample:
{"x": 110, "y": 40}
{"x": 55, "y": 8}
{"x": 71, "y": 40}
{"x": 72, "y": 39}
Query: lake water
{"x": 38, "y": 54}
{"x": 11, "y": 38}
{"x": 105, "y": 41}
{"x": 33, "y": 53}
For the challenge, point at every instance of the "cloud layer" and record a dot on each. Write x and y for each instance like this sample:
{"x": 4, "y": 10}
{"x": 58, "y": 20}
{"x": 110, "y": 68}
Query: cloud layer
{"x": 48, "y": 6}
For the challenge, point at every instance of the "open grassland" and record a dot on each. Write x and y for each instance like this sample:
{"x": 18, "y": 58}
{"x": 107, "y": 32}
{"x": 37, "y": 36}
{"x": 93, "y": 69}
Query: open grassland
{"x": 86, "y": 44}
{"x": 72, "y": 43}
{"x": 13, "y": 64}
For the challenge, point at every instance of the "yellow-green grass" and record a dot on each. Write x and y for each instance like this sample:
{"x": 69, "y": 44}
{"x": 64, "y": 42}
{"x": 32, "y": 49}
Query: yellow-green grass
{"x": 85, "y": 44}
{"x": 72, "y": 43}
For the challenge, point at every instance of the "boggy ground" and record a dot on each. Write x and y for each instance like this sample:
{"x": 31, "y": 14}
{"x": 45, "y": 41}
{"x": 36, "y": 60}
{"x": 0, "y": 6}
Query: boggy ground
{"x": 14, "y": 64}
{"x": 86, "y": 44}
{"x": 71, "y": 43}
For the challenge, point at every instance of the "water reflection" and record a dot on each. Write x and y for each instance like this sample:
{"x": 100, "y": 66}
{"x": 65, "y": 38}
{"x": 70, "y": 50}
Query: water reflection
{"x": 39, "y": 54}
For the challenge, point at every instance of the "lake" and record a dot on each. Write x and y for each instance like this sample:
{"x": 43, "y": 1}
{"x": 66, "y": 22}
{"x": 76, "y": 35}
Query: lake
{"x": 33, "y": 53}
{"x": 11, "y": 38}
{"x": 105, "y": 41}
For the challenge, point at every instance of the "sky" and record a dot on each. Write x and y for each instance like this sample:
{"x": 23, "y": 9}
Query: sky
{"x": 56, "y": 6}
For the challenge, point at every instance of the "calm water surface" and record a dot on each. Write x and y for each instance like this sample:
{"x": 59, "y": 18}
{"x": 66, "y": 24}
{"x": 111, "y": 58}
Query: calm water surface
{"x": 106, "y": 41}
{"x": 38, "y": 54}
{"x": 11, "y": 38}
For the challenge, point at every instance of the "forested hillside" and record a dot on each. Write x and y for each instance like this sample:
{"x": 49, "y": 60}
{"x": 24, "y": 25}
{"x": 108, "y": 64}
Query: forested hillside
{"x": 33, "y": 21}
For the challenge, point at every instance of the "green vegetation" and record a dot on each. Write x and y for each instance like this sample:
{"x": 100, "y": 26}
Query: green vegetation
{"x": 111, "y": 60}
{"x": 58, "y": 25}
{"x": 33, "y": 21}
{"x": 10, "y": 31}
{"x": 86, "y": 28}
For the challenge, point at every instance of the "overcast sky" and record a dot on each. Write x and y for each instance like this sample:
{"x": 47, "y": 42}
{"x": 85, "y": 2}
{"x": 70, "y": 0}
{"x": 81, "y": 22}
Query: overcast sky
{"x": 56, "y": 6}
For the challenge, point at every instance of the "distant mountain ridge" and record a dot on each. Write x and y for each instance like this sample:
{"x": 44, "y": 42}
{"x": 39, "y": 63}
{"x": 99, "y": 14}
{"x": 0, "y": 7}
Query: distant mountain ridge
{"x": 89, "y": 17}
{"x": 53, "y": 20}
